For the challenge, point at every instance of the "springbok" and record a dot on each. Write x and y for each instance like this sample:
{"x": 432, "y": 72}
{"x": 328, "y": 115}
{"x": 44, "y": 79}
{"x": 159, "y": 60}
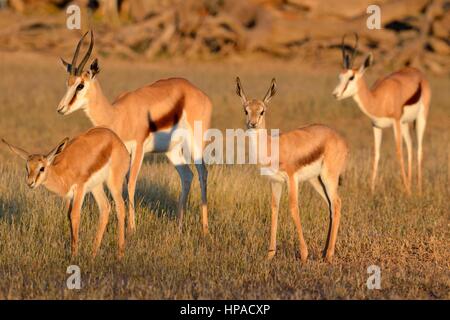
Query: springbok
{"x": 81, "y": 165}
{"x": 146, "y": 120}
{"x": 315, "y": 153}
{"x": 396, "y": 100}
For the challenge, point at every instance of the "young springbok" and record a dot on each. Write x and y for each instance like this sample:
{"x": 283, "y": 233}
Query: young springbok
{"x": 146, "y": 120}
{"x": 396, "y": 100}
{"x": 313, "y": 153}
{"x": 83, "y": 165}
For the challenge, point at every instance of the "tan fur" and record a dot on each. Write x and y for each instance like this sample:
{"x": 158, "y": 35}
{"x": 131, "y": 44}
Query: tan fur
{"x": 135, "y": 115}
{"x": 386, "y": 103}
{"x": 307, "y": 146}
{"x": 69, "y": 169}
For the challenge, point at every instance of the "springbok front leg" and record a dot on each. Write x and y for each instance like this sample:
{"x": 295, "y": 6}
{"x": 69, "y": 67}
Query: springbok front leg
{"x": 104, "y": 208}
{"x": 277, "y": 187}
{"x": 293, "y": 205}
{"x": 399, "y": 148}
{"x": 136, "y": 162}
{"x": 407, "y": 137}
{"x": 377, "y": 137}
{"x": 75, "y": 218}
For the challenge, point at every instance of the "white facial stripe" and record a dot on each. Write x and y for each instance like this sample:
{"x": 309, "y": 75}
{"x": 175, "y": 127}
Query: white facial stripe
{"x": 71, "y": 92}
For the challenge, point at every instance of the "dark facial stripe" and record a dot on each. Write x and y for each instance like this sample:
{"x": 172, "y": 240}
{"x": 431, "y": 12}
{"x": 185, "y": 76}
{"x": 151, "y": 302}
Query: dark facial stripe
{"x": 74, "y": 97}
{"x": 346, "y": 85}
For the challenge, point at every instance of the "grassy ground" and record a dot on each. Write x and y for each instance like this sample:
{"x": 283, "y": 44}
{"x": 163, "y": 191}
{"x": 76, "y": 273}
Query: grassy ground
{"x": 406, "y": 237}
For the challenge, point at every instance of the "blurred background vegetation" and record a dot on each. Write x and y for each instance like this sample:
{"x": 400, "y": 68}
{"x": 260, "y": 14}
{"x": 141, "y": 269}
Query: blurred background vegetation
{"x": 414, "y": 32}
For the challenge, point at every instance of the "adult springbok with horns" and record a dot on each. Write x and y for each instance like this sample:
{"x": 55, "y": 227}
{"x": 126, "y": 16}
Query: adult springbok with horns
{"x": 314, "y": 153}
{"x": 396, "y": 100}
{"x": 146, "y": 120}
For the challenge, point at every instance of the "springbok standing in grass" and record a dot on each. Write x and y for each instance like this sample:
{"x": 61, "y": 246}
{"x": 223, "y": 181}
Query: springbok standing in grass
{"x": 83, "y": 165}
{"x": 145, "y": 120}
{"x": 313, "y": 153}
{"x": 396, "y": 100}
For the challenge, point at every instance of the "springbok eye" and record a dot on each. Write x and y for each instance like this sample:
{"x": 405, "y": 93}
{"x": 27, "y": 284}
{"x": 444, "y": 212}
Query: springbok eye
{"x": 352, "y": 77}
{"x": 246, "y": 112}
{"x": 42, "y": 169}
{"x": 262, "y": 112}
{"x": 80, "y": 87}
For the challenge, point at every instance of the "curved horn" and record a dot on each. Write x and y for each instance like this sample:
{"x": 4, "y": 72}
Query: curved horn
{"x": 343, "y": 49}
{"x": 345, "y": 59}
{"x": 75, "y": 55}
{"x": 355, "y": 49}
{"x": 88, "y": 54}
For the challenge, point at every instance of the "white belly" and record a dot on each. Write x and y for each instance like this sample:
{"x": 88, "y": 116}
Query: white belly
{"x": 165, "y": 140}
{"x": 382, "y": 122}
{"x": 305, "y": 173}
{"x": 309, "y": 171}
{"x": 97, "y": 178}
{"x": 410, "y": 112}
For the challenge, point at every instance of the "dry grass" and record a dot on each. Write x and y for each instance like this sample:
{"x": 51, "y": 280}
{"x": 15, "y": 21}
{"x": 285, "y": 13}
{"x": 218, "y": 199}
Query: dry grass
{"x": 406, "y": 237}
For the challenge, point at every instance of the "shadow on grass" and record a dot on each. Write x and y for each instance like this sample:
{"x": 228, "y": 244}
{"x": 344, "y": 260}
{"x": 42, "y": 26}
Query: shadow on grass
{"x": 10, "y": 209}
{"x": 155, "y": 196}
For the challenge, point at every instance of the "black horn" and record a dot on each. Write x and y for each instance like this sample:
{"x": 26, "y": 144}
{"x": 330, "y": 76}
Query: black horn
{"x": 346, "y": 58}
{"x": 75, "y": 55}
{"x": 88, "y": 54}
{"x": 355, "y": 49}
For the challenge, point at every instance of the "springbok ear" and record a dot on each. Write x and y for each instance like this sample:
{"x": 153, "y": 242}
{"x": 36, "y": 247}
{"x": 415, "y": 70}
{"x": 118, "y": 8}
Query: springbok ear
{"x": 240, "y": 91}
{"x": 368, "y": 60}
{"x": 20, "y": 152}
{"x": 94, "y": 68}
{"x": 57, "y": 150}
{"x": 67, "y": 66}
{"x": 271, "y": 92}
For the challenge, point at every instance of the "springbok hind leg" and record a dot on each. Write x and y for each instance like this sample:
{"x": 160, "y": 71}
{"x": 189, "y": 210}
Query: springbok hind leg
{"x": 330, "y": 184}
{"x": 377, "y": 137}
{"x": 203, "y": 179}
{"x": 407, "y": 138}
{"x": 104, "y": 208}
{"x": 420, "y": 130}
{"x": 177, "y": 158}
{"x": 115, "y": 184}
{"x": 136, "y": 162}
{"x": 399, "y": 147}
{"x": 75, "y": 218}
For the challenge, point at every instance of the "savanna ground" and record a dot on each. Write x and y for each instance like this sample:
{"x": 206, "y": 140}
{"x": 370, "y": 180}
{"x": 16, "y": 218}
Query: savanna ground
{"x": 406, "y": 236}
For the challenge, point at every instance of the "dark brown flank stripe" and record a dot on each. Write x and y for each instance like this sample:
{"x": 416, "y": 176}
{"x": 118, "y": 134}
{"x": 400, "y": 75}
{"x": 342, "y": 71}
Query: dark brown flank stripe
{"x": 101, "y": 159}
{"x": 311, "y": 157}
{"x": 415, "y": 97}
{"x": 168, "y": 120}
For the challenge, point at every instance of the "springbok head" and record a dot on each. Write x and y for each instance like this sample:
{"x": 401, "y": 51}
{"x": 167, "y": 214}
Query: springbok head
{"x": 349, "y": 76}
{"x": 79, "y": 81}
{"x": 255, "y": 109}
{"x": 37, "y": 164}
